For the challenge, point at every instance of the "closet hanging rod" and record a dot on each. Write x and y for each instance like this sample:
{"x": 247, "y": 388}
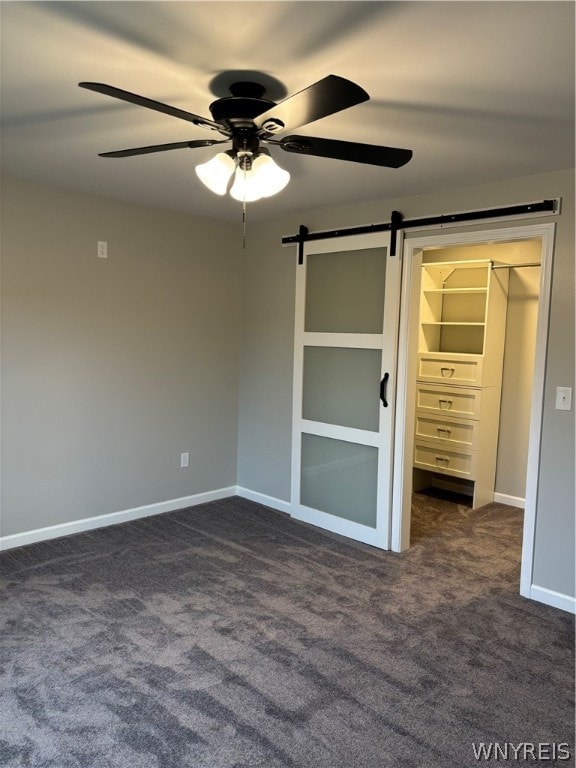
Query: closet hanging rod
{"x": 516, "y": 266}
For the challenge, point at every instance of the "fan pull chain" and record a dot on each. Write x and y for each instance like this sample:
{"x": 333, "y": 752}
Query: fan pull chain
{"x": 243, "y": 168}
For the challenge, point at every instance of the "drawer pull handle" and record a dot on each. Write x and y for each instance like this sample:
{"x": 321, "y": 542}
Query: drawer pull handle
{"x": 445, "y": 430}
{"x": 448, "y": 403}
{"x": 443, "y": 460}
{"x": 450, "y": 372}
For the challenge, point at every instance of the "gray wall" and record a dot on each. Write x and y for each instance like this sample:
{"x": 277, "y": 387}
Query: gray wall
{"x": 267, "y": 352}
{"x": 113, "y": 367}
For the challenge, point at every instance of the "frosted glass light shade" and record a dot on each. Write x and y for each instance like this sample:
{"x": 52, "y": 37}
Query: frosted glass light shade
{"x": 264, "y": 179}
{"x": 245, "y": 187}
{"x": 270, "y": 178}
{"x": 216, "y": 173}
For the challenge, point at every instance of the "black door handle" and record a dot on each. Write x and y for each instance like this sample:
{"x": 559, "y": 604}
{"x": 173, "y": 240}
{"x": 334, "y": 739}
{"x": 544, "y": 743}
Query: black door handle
{"x": 383, "y": 385}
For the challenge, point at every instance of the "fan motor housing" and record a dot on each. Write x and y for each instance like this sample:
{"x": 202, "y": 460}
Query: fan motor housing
{"x": 240, "y": 109}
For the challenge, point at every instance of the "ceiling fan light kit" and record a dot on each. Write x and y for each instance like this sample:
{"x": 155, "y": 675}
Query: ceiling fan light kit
{"x": 254, "y": 177}
{"x": 247, "y": 119}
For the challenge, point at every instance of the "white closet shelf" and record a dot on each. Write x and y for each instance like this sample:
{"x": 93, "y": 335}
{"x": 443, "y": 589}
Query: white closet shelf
{"x": 438, "y": 322}
{"x": 455, "y": 290}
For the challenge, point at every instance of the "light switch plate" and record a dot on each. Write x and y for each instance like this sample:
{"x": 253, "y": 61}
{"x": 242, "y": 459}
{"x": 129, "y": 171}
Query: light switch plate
{"x": 563, "y": 398}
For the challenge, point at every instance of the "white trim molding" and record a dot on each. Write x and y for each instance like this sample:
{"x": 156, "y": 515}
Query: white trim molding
{"x": 511, "y": 501}
{"x": 552, "y": 598}
{"x": 402, "y": 485}
{"x": 268, "y": 501}
{"x": 113, "y": 518}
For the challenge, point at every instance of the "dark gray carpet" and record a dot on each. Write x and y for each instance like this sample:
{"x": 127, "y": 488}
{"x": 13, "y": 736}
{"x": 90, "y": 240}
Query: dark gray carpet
{"x": 229, "y": 636}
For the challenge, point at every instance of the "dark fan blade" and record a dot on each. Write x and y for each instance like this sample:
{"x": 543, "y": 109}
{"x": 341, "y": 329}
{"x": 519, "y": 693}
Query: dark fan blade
{"x": 327, "y": 96}
{"x": 142, "y": 101}
{"x": 162, "y": 148}
{"x": 371, "y": 154}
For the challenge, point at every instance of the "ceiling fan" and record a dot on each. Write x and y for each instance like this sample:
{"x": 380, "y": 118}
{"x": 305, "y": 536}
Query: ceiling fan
{"x": 247, "y": 119}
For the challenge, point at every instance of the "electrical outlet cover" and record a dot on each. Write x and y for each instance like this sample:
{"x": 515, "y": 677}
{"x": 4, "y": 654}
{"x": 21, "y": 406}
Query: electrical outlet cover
{"x": 563, "y": 398}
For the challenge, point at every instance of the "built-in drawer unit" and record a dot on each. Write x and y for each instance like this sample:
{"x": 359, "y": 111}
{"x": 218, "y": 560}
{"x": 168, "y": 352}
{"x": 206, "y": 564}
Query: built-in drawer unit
{"x": 450, "y": 369}
{"x": 445, "y": 460}
{"x": 452, "y": 401}
{"x": 459, "y": 434}
{"x": 461, "y": 333}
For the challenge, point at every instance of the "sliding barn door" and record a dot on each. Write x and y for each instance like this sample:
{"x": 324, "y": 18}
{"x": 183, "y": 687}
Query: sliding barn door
{"x": 347, "y": 303}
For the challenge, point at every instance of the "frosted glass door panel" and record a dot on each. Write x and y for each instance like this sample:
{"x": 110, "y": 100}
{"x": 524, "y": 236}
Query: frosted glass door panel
{"x": 340, "y": 478}
{"x": 345, "y": 291}
{"x": 341, "y": 386}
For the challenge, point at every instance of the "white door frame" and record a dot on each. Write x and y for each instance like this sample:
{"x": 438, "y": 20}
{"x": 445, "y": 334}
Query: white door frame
{"x": 406, "y": 387}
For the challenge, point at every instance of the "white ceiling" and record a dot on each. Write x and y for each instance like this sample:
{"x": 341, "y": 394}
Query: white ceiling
{"x": 480, "y": 91}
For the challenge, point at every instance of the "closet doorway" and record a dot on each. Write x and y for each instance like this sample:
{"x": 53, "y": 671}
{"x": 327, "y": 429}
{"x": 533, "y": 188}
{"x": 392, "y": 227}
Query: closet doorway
{"x": 447, "y": 280}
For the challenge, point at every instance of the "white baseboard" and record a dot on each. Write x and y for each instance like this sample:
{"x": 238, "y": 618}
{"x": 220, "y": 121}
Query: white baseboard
{"x": 540, "y": 594}
{"x": 267, "y": 501}
{"x": 554, "y": 599}
{"x": 124, "y": 516}
{"x": 512, "y": 501}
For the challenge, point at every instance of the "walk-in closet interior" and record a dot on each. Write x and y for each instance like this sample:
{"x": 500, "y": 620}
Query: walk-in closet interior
{"x": 478, "y": 309}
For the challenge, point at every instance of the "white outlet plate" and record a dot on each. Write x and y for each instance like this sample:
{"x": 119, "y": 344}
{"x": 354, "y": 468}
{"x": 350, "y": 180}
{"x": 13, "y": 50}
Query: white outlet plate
{"x": 563, "y": 398}
{"x": 184, "y": 459}
{"x": 102, "y": 249}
